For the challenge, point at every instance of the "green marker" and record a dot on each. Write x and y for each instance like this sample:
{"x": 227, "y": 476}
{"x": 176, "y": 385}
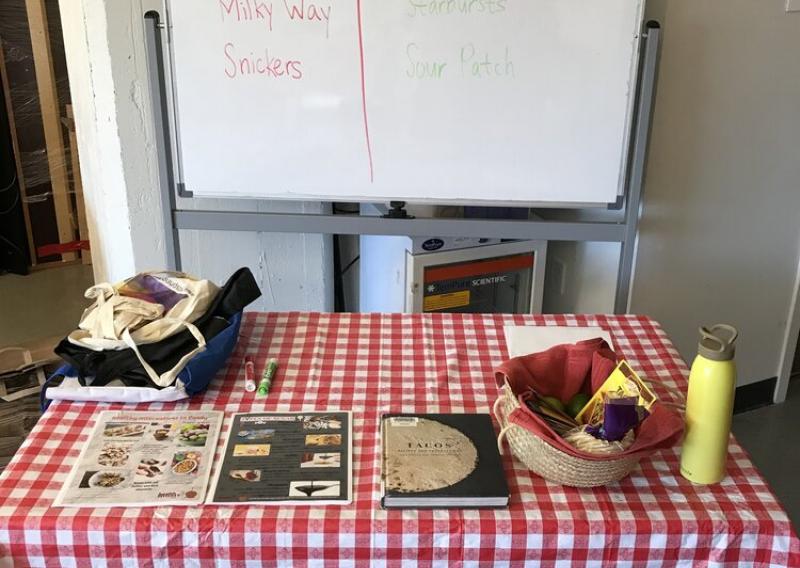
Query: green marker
{"x": 266, "y": 379}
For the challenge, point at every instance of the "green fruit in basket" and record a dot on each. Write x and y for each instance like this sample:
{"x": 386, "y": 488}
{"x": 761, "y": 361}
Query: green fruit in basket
{"x": 554, "y": 403}
{"x": 576, "y": 404}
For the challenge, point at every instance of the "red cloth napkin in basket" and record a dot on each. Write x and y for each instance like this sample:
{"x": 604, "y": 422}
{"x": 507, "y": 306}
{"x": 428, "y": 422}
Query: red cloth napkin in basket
{"x": 565, "y": 370}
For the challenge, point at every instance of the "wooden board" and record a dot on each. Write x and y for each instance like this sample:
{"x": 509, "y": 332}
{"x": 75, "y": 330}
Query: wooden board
{"x": 51, "y": 119}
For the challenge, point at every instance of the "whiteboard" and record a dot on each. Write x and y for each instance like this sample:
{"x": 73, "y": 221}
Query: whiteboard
{"x": 465, "y": 101}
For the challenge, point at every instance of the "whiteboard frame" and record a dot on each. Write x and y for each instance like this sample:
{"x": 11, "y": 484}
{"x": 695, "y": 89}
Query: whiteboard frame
{"x": 624, "y": 230}
{"x": 173, "y": 113}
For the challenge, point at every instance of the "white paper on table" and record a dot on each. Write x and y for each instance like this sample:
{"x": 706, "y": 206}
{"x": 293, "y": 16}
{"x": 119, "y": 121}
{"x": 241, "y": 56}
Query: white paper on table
{"x": 524, "y": 340}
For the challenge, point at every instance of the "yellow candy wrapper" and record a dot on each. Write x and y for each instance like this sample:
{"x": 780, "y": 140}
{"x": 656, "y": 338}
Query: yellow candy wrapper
{"x": 623, "y": 382}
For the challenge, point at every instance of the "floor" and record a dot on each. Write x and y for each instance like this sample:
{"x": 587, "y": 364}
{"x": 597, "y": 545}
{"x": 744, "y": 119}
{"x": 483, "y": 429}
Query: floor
{"x": 768, "y": 435}
{"x": 42, "y": 304}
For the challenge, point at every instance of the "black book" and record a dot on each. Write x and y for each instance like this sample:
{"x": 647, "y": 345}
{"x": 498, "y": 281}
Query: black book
{"x": 440, "y": 461}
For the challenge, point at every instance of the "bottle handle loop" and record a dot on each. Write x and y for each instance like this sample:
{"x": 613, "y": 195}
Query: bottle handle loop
{"x": 713, "y": 336}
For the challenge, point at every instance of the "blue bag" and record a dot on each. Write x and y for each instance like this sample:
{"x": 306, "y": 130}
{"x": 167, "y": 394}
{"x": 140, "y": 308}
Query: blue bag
{"x": 194, "y": 378}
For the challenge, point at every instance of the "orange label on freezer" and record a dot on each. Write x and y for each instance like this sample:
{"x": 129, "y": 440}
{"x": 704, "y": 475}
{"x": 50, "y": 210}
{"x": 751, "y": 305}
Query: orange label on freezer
{"x": 446, "y": 301}
{"x": 478, "y": 268}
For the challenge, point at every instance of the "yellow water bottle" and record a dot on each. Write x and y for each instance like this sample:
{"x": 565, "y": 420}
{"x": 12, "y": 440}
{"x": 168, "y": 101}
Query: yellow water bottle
{"x": 709, "y": 406}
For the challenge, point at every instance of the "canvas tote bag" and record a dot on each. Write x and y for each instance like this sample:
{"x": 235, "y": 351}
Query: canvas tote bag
{"x": 146, "y": 308}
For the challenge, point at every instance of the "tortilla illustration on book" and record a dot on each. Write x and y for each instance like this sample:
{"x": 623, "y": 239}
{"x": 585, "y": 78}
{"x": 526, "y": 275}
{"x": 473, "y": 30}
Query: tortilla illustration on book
{"x": 426, "y": 455}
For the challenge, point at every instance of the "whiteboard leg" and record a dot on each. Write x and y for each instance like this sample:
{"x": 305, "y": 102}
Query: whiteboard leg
{"x": 633, "y": 200}
{"x": 158, "y": 96}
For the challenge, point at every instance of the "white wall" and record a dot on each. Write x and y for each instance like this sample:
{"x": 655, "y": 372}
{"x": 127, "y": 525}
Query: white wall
{"x": 104, "y": 43}
{"x": 94, "y": 98}
{"x": 294, "y": 271}
{"x": 720, "y": 233}
{"x": 581, "y": 277}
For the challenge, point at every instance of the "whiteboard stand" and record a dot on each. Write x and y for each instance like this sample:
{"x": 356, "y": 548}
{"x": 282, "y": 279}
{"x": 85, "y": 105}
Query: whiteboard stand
{"x": 623, "y": 231}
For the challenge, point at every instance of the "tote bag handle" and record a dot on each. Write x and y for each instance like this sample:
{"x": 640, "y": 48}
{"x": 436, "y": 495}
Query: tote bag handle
{"x": 168, "y": 377}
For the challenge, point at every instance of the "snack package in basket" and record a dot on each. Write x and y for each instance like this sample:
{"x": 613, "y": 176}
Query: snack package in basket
{"x": 622, "y": 383}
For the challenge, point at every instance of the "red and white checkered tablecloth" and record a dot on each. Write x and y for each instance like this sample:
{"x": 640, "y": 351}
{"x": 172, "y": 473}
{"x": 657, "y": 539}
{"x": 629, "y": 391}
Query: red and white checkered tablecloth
{"x": 373, "y": 364}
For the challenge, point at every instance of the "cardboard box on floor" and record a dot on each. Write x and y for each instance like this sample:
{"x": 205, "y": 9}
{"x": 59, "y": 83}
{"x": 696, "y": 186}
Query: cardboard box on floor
{"x": 24, "y": 359}
{"x": 23, "y": 371}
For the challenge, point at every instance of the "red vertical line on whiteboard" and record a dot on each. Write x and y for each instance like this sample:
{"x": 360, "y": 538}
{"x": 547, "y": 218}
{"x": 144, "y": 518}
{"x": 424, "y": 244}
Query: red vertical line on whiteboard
{"x": 364, "y": 91}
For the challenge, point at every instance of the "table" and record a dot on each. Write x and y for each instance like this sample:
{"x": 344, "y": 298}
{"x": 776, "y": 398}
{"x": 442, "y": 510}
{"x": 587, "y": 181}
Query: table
{"x": 373, "y": 364}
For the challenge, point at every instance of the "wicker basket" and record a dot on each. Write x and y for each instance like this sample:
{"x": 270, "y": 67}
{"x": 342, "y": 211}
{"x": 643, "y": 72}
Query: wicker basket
{"x": 549, "y": 462}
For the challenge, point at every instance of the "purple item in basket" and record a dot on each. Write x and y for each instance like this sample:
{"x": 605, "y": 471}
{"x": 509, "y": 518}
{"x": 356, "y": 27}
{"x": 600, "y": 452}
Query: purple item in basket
{"x": 620, "y": 415}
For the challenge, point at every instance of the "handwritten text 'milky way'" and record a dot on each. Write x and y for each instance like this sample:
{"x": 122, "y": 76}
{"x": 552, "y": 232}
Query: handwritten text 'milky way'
{"x": 258, "y": 10}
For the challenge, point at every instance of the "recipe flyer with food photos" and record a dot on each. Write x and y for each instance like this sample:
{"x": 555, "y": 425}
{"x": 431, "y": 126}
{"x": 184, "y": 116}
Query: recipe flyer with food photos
{"x": 286, "y": 458}
{"x": 144, "y": 458}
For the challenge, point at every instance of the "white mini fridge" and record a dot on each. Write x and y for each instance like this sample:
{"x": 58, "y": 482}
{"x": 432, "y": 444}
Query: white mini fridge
{"x": 405, "y": 274}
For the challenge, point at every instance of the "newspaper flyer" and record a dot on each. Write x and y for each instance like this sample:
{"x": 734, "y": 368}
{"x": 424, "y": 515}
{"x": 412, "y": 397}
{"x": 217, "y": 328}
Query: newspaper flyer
{"x": 144, "y": 458}
{"x": 280, "y": 458}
